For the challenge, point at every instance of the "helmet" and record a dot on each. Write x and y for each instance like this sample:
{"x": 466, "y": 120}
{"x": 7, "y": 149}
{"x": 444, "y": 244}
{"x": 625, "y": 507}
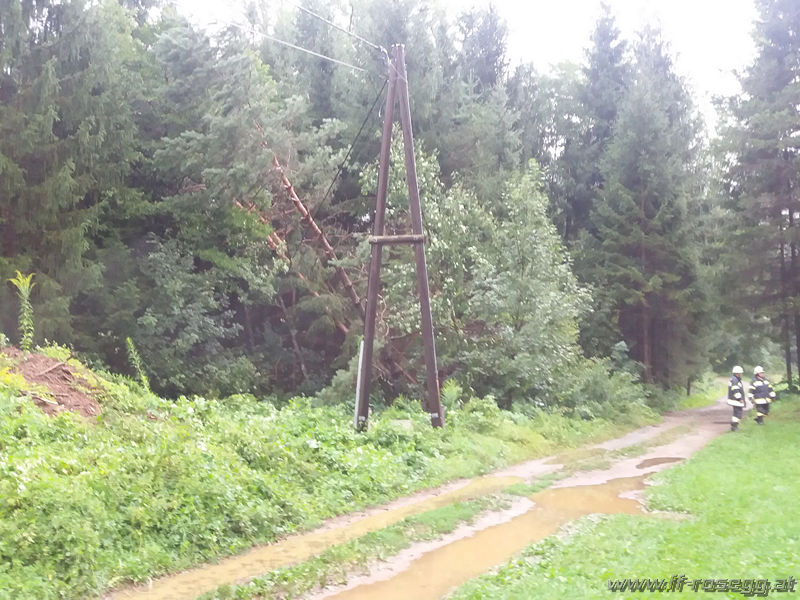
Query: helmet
{"x": 758, "y": 370}
{"x": 737, "y": 370}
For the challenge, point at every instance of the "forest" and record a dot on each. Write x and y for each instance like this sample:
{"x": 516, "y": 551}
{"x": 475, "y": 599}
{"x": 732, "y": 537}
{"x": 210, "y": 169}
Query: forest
{"x": 186, "y": 216}
{"x": 584, "y": 230}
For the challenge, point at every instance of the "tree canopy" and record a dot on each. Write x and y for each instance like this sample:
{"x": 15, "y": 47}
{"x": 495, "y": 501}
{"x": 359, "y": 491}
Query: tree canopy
{"x": 209, "y": 196}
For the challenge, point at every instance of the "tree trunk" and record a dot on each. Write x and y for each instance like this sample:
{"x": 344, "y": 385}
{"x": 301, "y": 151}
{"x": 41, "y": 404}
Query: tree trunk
{"x": 248, "y": 328}
{"x": 9, "y": 233}
{"x": 647, "y": 350}
{"x": 647, "y": 344}
{"x": 787, "y": 342}
{"x": 295, "y": 345}
{"x": 794, "y": 285}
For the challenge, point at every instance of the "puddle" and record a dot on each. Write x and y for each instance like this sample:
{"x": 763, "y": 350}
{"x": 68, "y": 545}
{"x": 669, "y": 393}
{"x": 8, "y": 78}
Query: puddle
{"x": 651, "y": 462}
{"x": 260, "y": 560}
{"x": 433, "y": 574}
{"x": 436, "y": 573}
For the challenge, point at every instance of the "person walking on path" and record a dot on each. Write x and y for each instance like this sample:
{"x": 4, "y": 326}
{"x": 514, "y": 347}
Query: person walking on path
{"x": 762, "y": 394}
{"x": 736, "y": 396}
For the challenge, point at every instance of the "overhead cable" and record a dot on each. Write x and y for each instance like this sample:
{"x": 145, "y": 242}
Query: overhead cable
{"x": 317, "y": 54}
{"x": 352, "y": 145}
{"x": 334, "y": 25}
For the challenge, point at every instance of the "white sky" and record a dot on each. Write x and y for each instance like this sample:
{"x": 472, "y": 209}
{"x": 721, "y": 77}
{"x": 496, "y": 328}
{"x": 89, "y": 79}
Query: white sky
{"x": 710, "y": 39}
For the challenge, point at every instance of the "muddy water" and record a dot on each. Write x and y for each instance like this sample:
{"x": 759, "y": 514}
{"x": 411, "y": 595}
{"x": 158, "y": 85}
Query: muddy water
{"x": 434, "y": 574}
{"x": 190, "y": 584}
{"x": 652, "y": 462}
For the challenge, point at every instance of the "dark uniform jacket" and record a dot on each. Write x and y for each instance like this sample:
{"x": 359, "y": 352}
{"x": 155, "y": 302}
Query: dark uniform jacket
{"x": 736, "y": 391}
{"x": 761, "y": 390}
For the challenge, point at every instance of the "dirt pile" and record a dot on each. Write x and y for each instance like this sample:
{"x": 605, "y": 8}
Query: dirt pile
{"x": 68, "y": 391}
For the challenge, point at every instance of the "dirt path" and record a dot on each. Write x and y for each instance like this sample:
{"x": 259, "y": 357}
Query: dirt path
{"x": 608, "y": 487}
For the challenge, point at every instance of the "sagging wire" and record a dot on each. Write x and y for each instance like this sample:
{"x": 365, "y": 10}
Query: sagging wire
{"x": 317, "y": 54}
{"x": 352, "y": 146}
{"x": 342, "y": 29}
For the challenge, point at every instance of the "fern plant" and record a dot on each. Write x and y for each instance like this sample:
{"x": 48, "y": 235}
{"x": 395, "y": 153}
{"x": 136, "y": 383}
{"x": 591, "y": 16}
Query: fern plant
{"x": 24, "y": 285}
{"x": 136, "y": 363}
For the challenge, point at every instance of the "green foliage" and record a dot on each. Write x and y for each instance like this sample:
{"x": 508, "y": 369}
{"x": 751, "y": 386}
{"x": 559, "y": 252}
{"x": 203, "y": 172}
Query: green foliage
{"x": 586, "y": 106}
{"x": 643, "y": 264}
{"x": 759, "y": 154}
{"x": 55, "y": 351}
{"x": 589, "y": 389}
{"x": 136, "y": 363}
{"x": 136, "y": 166}
{"x": 24, "y": 286}
{"x": 504, "y": 299}
{"x": 158, "y": 485}
{"x": 65, "y": 142}
{"x": 451, "y": 394}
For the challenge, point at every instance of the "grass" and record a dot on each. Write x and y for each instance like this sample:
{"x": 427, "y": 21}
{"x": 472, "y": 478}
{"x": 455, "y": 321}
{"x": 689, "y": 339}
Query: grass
{"x": 705, "y": 392}
{"x": 541, "y": 483}
{"x": 662, "y": 439}
{"x": 740, "y": 495}
{"x": 335, "y": 565}
{"x": 153, "y": 485}
{"x": 590, "y": 459}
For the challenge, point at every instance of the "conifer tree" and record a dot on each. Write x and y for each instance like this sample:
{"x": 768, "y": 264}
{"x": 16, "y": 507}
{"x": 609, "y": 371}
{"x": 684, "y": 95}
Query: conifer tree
{"x": 65, "y": 142}
{"x": 642, "y": 262}
{"x": 763, "y": 154}
{"x": 606, "y": 78}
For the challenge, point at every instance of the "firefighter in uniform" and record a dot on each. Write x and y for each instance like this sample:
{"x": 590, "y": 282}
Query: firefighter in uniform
{"x": 762, "y": 394}
{"x": 736, "y": 396}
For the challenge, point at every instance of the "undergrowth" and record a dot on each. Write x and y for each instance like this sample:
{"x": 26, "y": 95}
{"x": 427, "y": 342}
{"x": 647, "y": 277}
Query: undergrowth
{"x": 156, "y": 485}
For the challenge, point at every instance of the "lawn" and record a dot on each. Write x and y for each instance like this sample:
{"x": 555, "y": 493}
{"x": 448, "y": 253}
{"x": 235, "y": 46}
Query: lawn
{"x": 730, "y": 513}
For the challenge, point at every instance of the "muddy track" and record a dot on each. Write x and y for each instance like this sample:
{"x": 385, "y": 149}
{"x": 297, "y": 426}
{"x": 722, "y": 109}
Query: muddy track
{"x": 608, "y": 483}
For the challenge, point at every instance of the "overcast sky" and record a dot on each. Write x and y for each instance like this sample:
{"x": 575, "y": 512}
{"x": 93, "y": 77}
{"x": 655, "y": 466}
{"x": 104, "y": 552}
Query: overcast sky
{"x": 710, "y": 39}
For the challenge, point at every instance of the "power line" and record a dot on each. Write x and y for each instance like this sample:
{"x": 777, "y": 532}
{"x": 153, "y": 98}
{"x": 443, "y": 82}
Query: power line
{"x": 342, "y": 29}
{"x": 352, "y": 145}
{"x": 317, "y": 54}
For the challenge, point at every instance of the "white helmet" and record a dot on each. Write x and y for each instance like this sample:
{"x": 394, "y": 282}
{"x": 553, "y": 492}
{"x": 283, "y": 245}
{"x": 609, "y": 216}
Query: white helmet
{"x": 758, "y": 370}
{"x": 737, "y": 370}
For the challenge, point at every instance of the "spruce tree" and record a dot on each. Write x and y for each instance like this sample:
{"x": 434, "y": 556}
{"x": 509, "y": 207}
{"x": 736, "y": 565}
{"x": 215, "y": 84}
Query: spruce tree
{"x": 763, "y": 153}
{"x": 643, "y": 265}
{"x": 65, "y": 143}
{"x": 606, "y": 78}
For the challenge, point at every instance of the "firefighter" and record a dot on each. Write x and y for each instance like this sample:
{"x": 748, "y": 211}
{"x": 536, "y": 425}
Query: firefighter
{"x": 762, "y": 394}
{"x": 736, "y": 396}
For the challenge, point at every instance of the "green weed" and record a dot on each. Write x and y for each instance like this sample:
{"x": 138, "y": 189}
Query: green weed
{"x": 24, "y": 286}
{"x": 136, "y": 363}
{"x": 705, "y": 392}
{"x": 542, "y": 483}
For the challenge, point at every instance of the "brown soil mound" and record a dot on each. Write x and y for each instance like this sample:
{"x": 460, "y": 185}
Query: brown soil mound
{"x": 70, "y": 391}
